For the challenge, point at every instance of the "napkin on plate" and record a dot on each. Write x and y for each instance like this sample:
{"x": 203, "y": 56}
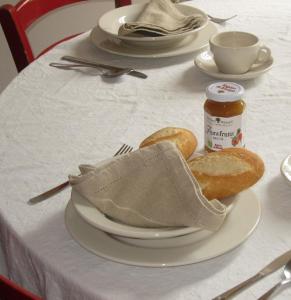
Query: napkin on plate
{"x": 161, "y": 17}
{"x": 150, "y": 187}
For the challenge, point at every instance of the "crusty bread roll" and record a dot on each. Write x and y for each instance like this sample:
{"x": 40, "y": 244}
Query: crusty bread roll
{"x": 226, "y": 172}
{"x": 183, "y": 138}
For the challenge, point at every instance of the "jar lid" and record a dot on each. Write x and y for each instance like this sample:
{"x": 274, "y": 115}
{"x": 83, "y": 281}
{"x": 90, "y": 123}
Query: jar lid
{"x": 224, "y": 91}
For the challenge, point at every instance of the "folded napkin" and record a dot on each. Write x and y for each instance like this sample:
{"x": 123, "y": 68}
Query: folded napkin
{"x": 151, "y": 187}
{"x": 161, "y": 17}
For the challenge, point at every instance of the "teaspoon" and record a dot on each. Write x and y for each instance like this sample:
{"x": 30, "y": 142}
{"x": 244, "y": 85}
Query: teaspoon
{"x": 279, "y": 285}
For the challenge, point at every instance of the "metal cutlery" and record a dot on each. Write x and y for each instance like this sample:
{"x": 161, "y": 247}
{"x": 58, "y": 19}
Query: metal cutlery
{"x": 213, "y": 19}
{"x": 220, "y": 20}
{"x": 267, "y": 270}
{"x": 123, "y": 149}
{"x": 279, "y": 285}
{"x": 108, "y": 73}
{"x": 114, "y": 70}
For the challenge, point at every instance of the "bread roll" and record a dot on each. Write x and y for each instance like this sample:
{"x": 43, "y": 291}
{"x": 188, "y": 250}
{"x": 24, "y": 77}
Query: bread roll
{"x": 183, "y": 138}
{"x": 226, "y": 172}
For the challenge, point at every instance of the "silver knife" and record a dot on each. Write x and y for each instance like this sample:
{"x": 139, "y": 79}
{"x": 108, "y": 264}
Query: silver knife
{"x": 99, "y": 65}
{"x": 270, "y": 268}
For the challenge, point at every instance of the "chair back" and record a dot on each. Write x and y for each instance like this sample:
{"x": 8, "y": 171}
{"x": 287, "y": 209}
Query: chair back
{"x": 11, "y": 290}
{"x": 15, "y": 20}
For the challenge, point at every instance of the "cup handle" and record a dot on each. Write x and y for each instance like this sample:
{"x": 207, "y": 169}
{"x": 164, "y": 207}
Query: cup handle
{"x": 264, "y": 55}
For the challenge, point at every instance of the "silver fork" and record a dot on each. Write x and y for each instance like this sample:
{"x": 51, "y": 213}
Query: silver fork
{"x": 220, "y": 20}
{"x": 211, "y": 18}
{"x": 123, "y": 149}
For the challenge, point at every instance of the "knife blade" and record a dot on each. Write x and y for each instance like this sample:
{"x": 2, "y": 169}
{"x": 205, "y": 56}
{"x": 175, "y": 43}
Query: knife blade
{"x": 100, "y": 65}
{"x": 267, "y": 270}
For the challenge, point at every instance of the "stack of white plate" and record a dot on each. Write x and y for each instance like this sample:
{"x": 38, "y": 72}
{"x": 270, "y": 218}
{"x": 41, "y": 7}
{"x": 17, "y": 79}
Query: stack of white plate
{"x": 105, "y": 35}
{"x": 159, "y": 247}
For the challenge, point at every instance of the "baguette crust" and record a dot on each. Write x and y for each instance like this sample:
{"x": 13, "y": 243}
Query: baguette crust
{"x": 227, "y": 172}
{"x": 183, "y": 138}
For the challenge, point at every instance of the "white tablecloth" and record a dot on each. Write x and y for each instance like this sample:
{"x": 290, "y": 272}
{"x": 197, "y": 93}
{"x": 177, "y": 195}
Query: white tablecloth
{"x": 52, "y": 120}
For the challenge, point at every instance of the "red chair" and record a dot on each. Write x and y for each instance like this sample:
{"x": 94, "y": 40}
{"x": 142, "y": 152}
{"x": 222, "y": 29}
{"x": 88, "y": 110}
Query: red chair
{"x": 16, "y": 19}
{"x": 11, "y": 291}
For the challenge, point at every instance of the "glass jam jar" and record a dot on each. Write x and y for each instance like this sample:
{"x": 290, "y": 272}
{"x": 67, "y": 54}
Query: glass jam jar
{"x": 224, "y": 116}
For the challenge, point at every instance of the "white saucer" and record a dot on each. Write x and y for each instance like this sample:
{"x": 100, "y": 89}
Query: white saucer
{"x": 205, "y": 63}
{"x": 235, "y": 230}
{"x": 198, "y": 42}
{"x": 286, "y": 168}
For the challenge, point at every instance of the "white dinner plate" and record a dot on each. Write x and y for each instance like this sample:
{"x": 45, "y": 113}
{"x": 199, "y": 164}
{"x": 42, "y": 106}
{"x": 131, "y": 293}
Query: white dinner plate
{"x": 191, "y": 44}
{"x": 111, "y": 21}
{"x": 238, "y": 226}
{"x": 205, "y": 63}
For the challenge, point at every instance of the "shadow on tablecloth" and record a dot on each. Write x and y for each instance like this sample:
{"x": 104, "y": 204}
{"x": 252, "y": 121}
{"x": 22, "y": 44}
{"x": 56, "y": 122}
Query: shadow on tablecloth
{"x": 62, "y": 266}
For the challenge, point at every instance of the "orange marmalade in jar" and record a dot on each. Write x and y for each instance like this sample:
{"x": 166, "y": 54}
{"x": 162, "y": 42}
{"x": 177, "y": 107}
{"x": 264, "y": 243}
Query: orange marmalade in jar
{"x": 224, "y": 116}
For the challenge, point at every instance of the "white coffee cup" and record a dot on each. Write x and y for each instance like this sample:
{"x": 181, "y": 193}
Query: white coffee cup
{"x": 234, "y": 52}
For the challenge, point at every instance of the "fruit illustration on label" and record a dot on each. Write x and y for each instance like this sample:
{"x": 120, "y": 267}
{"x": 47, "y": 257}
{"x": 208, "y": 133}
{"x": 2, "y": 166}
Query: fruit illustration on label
{"x": 237, "y": 138}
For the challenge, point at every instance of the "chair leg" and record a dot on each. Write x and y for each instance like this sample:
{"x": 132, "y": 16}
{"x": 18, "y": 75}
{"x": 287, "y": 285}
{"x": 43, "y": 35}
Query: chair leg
{"x": 15, "y": 40}
{"x": 119, "y": 3}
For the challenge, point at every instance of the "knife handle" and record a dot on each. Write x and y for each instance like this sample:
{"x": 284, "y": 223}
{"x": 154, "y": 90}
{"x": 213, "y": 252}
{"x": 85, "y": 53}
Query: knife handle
{"x": 240, "y": 287}
{"x": 48, "y": 193}
{"x": 88, "y": 62}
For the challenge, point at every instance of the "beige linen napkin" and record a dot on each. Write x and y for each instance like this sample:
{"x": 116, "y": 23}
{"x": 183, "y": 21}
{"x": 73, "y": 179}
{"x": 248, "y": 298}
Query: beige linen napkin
{"x": 150, "y": 187}
{"x": 161, "y": 17}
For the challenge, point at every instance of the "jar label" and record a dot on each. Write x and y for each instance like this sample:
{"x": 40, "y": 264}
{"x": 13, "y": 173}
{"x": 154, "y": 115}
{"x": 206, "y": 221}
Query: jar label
{"x": 223, "y": 133}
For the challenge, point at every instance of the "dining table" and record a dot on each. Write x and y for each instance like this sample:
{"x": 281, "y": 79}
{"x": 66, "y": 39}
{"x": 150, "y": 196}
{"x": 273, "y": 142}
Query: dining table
{"x": 53, "y": 120}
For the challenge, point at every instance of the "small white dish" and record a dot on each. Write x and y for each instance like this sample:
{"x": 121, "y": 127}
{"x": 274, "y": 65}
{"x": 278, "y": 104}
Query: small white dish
{"x": 197, "y": 43}
{"x": 142, "y": 237}
{"x": 234, "y": 231}
{"x": 205, "y": 63}
{"x": 178, "y": 241}
{"x": 111, "y": 21}
{"x": 94, "y": 217}
{"x": 286, "y": 168}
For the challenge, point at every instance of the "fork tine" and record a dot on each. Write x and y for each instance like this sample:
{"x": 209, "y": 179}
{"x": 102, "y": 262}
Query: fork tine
{"x": 126, "y": 149}
{"x": 129, "y": 149}
{"x": 120, "y": 150}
